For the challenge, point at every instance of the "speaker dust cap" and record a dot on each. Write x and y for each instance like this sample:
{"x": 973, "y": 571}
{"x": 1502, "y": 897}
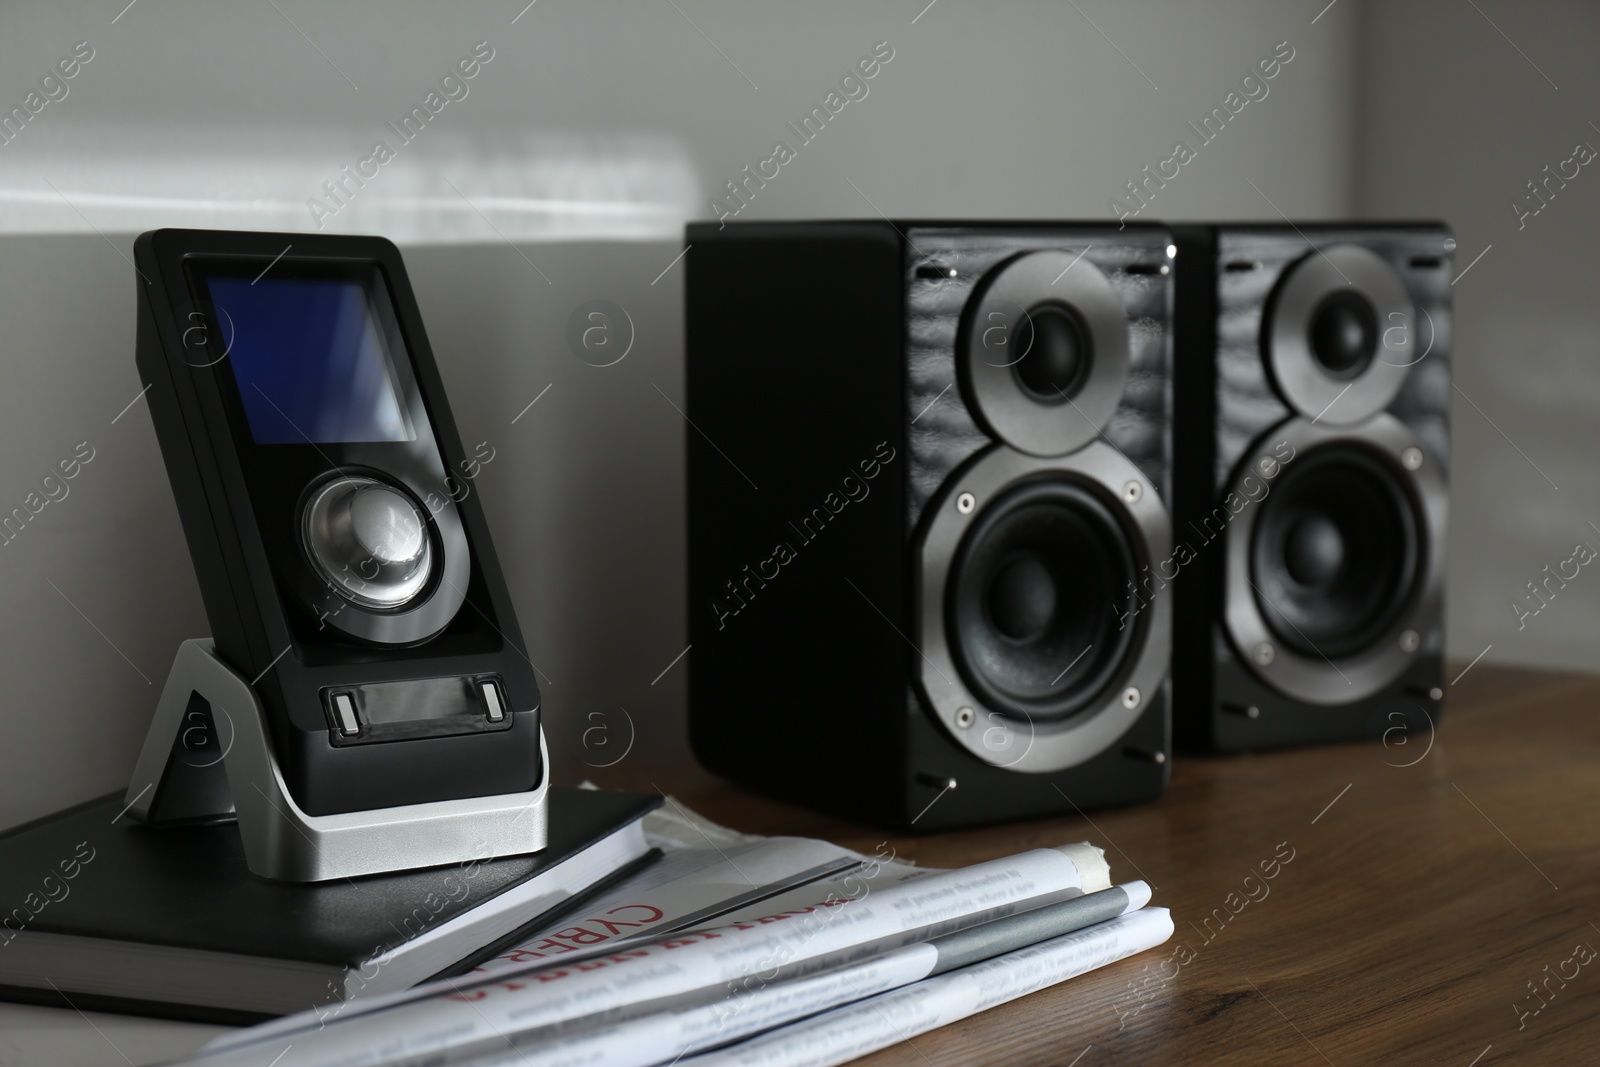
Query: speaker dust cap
{"x": 1338, "y": 336}
{"x": 1044, "y": 352}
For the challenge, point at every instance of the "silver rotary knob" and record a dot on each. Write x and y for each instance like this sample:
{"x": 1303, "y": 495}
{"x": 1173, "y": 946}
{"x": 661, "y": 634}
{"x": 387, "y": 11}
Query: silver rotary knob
{"x": 368, "y": 541}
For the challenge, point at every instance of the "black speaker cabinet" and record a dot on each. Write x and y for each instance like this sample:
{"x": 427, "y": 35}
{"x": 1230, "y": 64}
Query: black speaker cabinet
{"x": 928, "y": 467}
{"x": 1313, "y": 384}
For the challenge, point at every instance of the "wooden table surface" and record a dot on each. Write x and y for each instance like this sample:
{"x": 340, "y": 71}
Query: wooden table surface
{"x": 1432, "y": 889}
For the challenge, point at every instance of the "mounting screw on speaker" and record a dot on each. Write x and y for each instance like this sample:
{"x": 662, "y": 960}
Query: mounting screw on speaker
{"x": 1410, "y": 641}
{"x": 1264, "y": 654}
{"x": 1132, "y": 492}
{"x": 1131, "y": 697}
{"x": 1436, "y": 693}
{"x": 1412, "y": 458}
{"x": 965, "y": 503}
{"x": 964, "y": 717}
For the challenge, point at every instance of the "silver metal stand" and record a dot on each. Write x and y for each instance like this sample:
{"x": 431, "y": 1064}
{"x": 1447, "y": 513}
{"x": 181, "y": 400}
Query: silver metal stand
{"x": 208, "y": 756}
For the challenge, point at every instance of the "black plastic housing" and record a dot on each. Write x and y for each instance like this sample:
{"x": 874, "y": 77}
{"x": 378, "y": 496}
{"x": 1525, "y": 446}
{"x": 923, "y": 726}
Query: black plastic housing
{"x": 819, "y": 350}
{"x": 1226, "y": 402}
{"x": 237, "y": 503}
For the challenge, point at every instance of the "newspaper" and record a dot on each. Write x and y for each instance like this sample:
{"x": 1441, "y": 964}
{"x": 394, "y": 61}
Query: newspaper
{"x": 877, "y": 1022}
{"x": 708, "y": 875}
{"x": 668, "y": 1036}
{"x": 867, "y": 907}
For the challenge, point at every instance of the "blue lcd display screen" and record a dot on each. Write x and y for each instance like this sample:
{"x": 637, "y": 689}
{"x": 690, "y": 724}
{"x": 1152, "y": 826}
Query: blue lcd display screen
{"x": 311, "y": 360}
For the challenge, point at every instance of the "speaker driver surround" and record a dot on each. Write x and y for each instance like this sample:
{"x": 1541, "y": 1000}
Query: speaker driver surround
{"x": 1332, "y": 568}
{"x": 1026, "y": 610}
{"x": 1044, "y": 352}
{"x": 1338, "y": 335}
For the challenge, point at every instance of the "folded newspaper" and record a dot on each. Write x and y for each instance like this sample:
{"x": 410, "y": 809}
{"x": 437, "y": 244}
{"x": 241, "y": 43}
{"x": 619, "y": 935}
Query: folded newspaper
{"x": 739, "y": 949}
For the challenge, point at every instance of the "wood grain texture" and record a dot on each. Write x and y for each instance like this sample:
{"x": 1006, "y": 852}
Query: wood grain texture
{"x": 1429, "y": 885}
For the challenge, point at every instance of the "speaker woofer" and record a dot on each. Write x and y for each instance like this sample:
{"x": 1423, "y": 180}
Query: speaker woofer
{"x": 1334, "y": 577}
{"x": 1035, "y": 595}
{"x": 1035, "y": 653}
{"x": 1335, "y": 554}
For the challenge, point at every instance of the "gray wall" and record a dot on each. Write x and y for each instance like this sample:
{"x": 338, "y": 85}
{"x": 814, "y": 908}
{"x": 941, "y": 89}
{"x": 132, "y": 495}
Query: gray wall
{"x": 1457, "y": 119}
{"x": 588, "y": 140}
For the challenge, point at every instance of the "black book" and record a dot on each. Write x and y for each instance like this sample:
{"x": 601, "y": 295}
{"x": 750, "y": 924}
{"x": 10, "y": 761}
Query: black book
{"x": 118, "y": 916}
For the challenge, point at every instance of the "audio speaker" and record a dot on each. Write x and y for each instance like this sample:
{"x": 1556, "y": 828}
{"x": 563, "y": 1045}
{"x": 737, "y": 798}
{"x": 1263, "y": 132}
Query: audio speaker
{"x": 1313, "y": 376}
{"x": 927, "y": 466}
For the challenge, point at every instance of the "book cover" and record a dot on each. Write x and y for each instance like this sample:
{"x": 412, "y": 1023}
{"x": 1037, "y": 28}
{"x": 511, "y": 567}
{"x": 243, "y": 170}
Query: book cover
{"x": 170, "y": 921}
